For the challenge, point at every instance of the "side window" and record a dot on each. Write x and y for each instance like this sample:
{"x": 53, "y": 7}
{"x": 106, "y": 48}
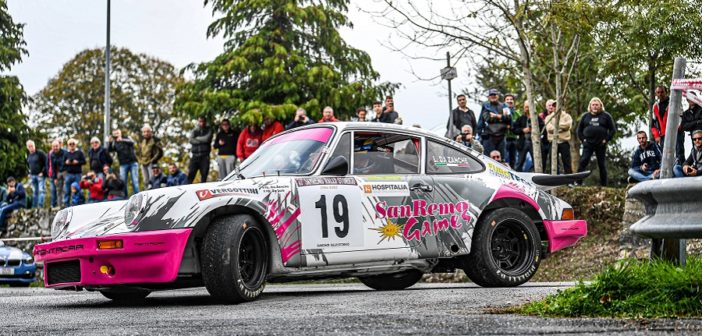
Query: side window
{"x": 343, "y": 148}
{"x": 385, "y": 153}
{"x": 442, "y": 159}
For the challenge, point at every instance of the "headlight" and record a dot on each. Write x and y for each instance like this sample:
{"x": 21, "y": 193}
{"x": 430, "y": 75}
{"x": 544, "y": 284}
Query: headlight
{"x": 133, "y": 209}
{"x": 61, "y": 221}
{"x": 28, "y": 260}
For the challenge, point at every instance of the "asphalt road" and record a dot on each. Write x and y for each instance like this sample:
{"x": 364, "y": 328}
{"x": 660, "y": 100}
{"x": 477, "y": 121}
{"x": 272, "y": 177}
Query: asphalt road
{"x": 455, "y": 309}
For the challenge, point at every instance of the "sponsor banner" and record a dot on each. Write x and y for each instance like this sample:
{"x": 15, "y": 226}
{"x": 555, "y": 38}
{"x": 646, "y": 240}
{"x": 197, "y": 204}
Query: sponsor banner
{"x": 205, "y": 194}
{"x": 499, "y": 171}
{"x": 386, "y": 189}
{"x": 450, "y": 161}
{"x": 325, "y": 180}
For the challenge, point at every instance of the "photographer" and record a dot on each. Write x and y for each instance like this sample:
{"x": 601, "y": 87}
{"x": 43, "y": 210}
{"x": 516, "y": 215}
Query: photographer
{"x": 113, "y": 186}
{"x": 301, "y": 119}
{"x": 466, "y": 138}
{"x": 93, "y": 183}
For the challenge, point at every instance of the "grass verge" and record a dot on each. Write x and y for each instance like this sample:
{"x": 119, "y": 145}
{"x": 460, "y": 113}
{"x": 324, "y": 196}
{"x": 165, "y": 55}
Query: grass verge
{"x": 629, "y": 288}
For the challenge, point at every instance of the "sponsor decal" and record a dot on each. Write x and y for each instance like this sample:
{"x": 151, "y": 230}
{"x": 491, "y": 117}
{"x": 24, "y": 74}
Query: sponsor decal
{"x": 450, "y": 161}
{"x": 275, "y": 188}
{"x": 386, "y": 189}
{"x": 205, "y": 194}
{"x": 60, "y": 249}
{"x": 389, "y": 231}
{"x": 422, "y": 218}
{"x": 325, "y": 180}
{"x": 499, "y": 171}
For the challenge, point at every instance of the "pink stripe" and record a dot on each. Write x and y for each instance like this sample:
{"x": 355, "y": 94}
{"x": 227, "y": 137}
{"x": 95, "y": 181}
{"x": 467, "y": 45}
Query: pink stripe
{"x": 289, "y": 251}
{"x": 281, "y": 229}
{"x": 321, "y": 134}
{"x": 278, "y": 217}
{"x": 272, "y": 207}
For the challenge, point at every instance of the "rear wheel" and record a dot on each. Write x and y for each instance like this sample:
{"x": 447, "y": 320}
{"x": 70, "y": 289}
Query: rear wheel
{"x": 126, "y": 296}
{"x": 394, "y": 281}
{"x": 235, "y": 259}
{"x": 506, "y": 250}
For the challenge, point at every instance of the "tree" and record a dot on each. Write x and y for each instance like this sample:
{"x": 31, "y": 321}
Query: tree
{"x": 13, "y": 129}
{"x": 142, "y": 92}
{"x": 280, "y": 55}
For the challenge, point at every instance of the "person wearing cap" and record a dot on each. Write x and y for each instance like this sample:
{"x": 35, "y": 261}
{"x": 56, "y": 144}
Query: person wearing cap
{"x": 512, "y": 138}
{"x": 495, "y": 121}
{"x": 158, "y": 179}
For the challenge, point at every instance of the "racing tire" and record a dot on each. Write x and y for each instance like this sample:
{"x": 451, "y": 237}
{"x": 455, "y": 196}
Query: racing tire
{"x": 506, "y": 250}
{"x": 235, "y": 259}
{"x": 393, "y": 281}
{"x": 126, "y": 296}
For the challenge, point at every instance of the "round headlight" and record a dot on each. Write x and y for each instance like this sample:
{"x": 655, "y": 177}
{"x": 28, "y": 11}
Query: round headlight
{"x": 61, "y": 221}
{"x": 133, "y": 209}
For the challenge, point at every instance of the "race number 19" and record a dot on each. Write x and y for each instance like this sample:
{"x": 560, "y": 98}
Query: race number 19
{"x": 331, "y": 217}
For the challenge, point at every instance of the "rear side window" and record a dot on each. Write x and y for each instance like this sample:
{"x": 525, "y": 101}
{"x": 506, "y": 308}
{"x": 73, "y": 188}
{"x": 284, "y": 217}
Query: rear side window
{"x": 385, "y": 153}
{"x": 442, "y": 159}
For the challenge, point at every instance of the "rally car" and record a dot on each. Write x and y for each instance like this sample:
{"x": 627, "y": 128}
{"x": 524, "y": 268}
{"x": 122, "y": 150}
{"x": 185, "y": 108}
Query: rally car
{"x": 384, "y": 203}
{"x": 17, "y": 268}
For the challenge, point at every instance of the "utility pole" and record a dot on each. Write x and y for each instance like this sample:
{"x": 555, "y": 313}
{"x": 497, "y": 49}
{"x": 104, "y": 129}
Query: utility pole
{"x": 107, "y": 77}
{"x": 448, "y": 73}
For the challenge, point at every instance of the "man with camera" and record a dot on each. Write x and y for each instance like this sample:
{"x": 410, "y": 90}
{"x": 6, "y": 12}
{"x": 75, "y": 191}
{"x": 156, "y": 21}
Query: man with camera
{"x": 301, "y": 119}
{"x": 93, "y": 183}
{"x": 466, "y": 138}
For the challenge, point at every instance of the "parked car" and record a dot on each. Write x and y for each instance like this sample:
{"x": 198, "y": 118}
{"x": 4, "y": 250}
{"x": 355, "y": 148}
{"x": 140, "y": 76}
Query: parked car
{"x": 17, "y": 268}
{"x": 384, "y": 203}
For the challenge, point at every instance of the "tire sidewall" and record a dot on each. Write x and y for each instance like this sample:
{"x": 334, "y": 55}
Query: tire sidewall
{"x": 484, "y": 240}
{"x": 247, "y": 292}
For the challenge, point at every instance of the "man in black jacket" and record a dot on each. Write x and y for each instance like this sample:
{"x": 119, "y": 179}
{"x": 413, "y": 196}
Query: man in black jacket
{"x": 201, "y": 141}
{"x": 74, "y": 160}
{"x": 126, "y": 155}
{"x": 36, "y": 160}
{"x": 691, "y": 119}
{"x": 225, "y": 142}
{"x": 98, "y": 157}
{"x": 462, "y": 115}
{"x": 595, "y": 130}
{"x": 301, "y": 119}
{"x": 522, "y": 128}
{"x": 693, "y": 165}
{"x": 56, "y": 172}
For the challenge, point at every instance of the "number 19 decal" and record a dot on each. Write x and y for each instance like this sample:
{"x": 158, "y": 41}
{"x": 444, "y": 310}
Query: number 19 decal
{"x": 331, "y": 218}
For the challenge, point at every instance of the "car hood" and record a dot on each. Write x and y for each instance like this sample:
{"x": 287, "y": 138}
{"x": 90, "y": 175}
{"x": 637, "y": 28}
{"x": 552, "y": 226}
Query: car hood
{"x": 166, "y": 208}
{"x": 7, "y": 252}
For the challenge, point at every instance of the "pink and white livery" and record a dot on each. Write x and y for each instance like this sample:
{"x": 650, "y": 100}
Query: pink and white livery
{"x": 380, "y": 202}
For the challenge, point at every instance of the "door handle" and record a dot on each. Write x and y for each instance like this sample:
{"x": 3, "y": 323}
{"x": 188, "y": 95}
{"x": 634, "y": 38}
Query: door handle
{"x": 422, "y": 187}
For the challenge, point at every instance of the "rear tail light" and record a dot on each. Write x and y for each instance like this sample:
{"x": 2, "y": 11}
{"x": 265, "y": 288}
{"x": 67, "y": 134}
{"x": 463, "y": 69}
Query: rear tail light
{"x": 110, "y": 244}
{"x": 568, "y": 214}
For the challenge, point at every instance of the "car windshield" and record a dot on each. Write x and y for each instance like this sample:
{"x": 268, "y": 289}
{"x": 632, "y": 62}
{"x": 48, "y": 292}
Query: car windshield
{"x": 295, "y": 153}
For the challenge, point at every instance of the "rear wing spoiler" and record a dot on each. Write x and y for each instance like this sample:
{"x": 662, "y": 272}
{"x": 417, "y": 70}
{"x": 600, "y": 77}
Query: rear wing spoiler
{"x": 547, "y": 182}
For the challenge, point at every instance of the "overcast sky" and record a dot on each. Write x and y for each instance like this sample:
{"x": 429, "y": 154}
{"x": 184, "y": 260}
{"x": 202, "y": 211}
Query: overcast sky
{"x": 56, "y": 30}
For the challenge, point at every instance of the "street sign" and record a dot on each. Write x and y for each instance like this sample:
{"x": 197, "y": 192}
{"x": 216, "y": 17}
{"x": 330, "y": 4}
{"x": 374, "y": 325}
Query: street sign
{"x": 449, "y": 73}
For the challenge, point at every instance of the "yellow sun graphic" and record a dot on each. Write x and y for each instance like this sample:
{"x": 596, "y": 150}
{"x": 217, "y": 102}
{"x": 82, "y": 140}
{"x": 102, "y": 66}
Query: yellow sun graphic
{"x": 389, "y": 231}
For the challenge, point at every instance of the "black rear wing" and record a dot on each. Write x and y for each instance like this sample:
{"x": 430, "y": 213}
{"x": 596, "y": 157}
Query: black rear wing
{"x": 546, "y": 182}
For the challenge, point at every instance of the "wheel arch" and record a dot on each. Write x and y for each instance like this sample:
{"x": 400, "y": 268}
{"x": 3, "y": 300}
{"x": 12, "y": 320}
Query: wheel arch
{"x": 275, "y": 262}
{"x": 521, "y": 205}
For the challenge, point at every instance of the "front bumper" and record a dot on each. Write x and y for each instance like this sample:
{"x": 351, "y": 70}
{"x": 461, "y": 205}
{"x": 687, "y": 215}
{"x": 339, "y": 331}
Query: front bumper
{"x": 564, "y": 233}
{"x": 146, "y": 257}
{"x": 21, "y": 274}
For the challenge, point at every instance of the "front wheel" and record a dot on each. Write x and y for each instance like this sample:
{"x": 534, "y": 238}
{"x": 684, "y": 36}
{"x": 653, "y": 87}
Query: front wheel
{"x": 394, "y": 281}
{"x": 235, "y": 259}
{"x": 506, "y": 250}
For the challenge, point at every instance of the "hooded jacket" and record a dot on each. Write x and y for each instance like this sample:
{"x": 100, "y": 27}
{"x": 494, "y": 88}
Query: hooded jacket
{"x": 248, "y": 143}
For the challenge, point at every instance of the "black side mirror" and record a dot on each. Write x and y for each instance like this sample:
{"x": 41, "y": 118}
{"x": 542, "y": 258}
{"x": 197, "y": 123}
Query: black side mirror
{"x": 337, "y": 166}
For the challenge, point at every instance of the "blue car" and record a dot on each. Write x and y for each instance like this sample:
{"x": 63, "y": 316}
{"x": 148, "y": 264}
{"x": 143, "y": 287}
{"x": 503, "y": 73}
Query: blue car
{"x": 17, "y": 268}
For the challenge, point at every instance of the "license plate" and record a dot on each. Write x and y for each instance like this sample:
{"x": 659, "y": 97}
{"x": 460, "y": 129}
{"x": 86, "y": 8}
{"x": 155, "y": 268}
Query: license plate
{"x": 7, "y": 271}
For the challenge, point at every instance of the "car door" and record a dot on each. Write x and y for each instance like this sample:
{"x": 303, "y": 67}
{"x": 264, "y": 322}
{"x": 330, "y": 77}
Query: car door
{"x": 457, "y": 189}
{"x": 362, "y": 216}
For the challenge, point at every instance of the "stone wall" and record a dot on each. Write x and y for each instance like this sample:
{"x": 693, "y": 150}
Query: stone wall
{"x": 28, "y": 223}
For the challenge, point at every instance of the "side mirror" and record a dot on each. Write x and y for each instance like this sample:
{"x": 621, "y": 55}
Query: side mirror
{"x": 337, "y": 166}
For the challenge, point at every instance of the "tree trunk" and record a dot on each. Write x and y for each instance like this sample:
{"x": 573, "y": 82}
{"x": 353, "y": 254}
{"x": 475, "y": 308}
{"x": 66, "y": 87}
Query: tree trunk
{"x": 528, "y": 82}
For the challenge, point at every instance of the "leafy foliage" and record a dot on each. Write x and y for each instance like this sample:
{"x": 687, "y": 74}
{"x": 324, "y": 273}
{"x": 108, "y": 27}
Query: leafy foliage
{"x": 631, "y": 288}
{"x": 280, "y": 55}
{"x": 142, "y": 91}
{"x": 13, "y": 128}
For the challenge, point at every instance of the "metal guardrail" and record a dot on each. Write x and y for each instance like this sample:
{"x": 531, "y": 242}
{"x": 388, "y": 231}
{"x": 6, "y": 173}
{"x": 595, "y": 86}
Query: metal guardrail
{"x": 41, "y": 239}
{"x": 673, "y": 208}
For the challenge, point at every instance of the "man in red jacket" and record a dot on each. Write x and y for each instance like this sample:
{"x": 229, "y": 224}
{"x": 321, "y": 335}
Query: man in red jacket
{"x": 271, "y": 128}
{"x": 328, "y": 115}
{"x": 660, "y": 115}
{"x": 94, "y": 184}
{"x": 249, "y": 141}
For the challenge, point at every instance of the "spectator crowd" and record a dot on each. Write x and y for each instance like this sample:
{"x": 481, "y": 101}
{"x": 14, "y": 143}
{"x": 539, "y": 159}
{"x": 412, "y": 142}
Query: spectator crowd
{"x": 500, "y": 131}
